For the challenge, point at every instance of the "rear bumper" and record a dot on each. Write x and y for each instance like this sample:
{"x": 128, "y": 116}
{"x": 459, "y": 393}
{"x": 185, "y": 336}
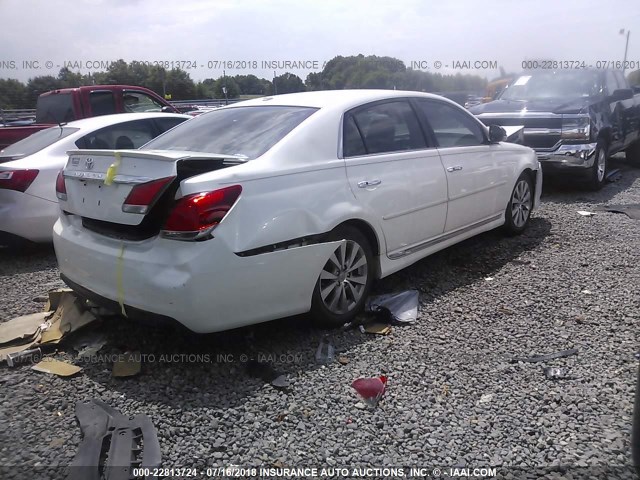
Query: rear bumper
{"x": 568, "y": 157}
{"x": 25, "y": 216}
{"x": 202, "y": 285}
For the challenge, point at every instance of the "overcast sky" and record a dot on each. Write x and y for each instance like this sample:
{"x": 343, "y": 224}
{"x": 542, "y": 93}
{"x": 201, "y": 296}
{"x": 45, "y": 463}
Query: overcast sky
{"x": 200, "y": 31}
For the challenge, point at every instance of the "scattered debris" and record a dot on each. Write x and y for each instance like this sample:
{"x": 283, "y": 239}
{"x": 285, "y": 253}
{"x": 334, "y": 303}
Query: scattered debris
{"x": 33, "y": 355}
{"x": 343, "y": 359}
{"x": 545, "y": 358}
{"x": 89, "y": 343}
{"x": 632, "y": 210}
{"x": 486, "y": 398}
{"x": 488, "y": 279}
{"x": 56, "y": 367}
{"x": 325, "y": 353}
{"x": 557, "y": 373}
{"x": 113, "y": 444}
{"x": 614, "y": 175}
{"x": 267, "y": 373}
{"x": 22, "y": 329}
{"x": 445, "y": 390}
{"x": 361, "y": 328}
{"x": 402, "y": 307}
{"x": 378, "y": 328}
{"x": 68, "y": 317}
{"x": 371, "y": 389}
{"x": 506, "y": 310}
{"x": 586, "y": 292}
{"x": 585, "y": 213}
{"x": 127, "y": 365}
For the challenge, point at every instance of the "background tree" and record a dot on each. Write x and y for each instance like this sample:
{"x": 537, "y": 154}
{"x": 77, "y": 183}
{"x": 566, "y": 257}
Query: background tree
{"x": 12, "y": 94}
{"x": 37, "y": 85}
{"x": 288, "y": 83}
{"x": 232, "y": 88}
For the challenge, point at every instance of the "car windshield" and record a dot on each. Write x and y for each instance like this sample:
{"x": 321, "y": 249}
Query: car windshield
{"x": 39, "y": 140}
{"x": 245, "y": 131}
{"x": 547, "y": 85}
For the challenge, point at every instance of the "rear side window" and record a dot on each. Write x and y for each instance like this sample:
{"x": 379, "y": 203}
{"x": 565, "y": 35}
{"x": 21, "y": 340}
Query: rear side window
{"x": 168, "y": 123}
{"x": 55, "y": 108}
{"x": 102, "y": 103}
{"x": 389, "y": 127}
{"x": 245, "y": 131}
{"x": 353, "y": 144}
{"x": 39, "y": 140}
{"x": 451, "y": 126}
{"x": 119, "y": 137}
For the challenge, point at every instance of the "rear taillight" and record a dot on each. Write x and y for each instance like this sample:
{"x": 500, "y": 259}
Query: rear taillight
{"x": 18, "y": 180}
{"x": 142, "y": 197}
{"x": 61, "y": 188}
{"x": 195, "y": 216}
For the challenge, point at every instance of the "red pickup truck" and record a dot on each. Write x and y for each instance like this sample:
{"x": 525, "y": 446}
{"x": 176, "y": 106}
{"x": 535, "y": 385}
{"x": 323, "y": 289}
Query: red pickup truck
{"x": 67, "y": 104}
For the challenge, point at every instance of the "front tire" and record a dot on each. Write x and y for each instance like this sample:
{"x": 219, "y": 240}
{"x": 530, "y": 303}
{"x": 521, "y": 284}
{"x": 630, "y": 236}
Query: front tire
{"x": 345, "y": 281}
{"x": 598, "y": 173}
{"x": 518, "y": 212}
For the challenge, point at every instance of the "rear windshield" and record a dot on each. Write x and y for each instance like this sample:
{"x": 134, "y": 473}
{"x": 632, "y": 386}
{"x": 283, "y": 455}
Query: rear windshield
{"x": 39, "y": 140}
{"x": 55, "y": 108}
{"x": 244, "y": 131}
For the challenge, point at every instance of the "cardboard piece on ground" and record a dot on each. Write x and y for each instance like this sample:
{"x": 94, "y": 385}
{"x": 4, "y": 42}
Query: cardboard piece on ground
{"x": 23, "y": 328}
{"x": 68, "y": 317}
{"x": 378, "y": 328}
{"x": 54, "y": 298}
{"x": 56, "y": 367}
{"x": 127, "y": 365}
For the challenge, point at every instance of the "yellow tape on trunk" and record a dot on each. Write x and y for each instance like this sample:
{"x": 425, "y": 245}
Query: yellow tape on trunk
{"x": 120, "y": 281}
{"x": 112, "y": 171}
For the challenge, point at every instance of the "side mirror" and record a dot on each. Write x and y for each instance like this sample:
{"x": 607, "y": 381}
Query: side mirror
{"x": 497, "y": 134}
{"x": 622, "y": 94}
{"x": 168, "y": 109}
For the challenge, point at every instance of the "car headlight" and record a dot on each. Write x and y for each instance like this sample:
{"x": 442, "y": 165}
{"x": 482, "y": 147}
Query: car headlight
{"x": 576, "y": 128}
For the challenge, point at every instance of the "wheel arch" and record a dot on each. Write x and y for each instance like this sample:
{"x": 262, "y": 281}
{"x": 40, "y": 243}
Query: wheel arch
{"x": 371, "y": 235}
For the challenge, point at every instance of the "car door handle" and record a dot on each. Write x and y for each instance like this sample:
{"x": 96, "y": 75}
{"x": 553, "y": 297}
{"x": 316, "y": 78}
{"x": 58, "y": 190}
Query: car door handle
{"x": 369, "y": 183}
{"x": 454, "y": 169}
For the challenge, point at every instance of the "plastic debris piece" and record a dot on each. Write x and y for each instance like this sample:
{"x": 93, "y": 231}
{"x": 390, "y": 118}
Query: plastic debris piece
{"x": 545, "y": 358}
{"x": 343, "y": 359}
{"x": 378, "y": 328}
{"x": 488, "y": 279}
{"x": 32, "y": 355}
{"x": 56, "y": 367}
{"x": 402, "y": 306}
{"x": 113, "y": 443}
{"x": 371, "y": 389}
{"x": 631, "y": 210}
{"x": 585, "y": 213}
{"x": 556, "y": 373}
{"x": 281, "y": 381}
{"x": 361, "y": 328}
{"x": 128, "y": 364}
{"x": 586, "y": 292}
{"x": 325, "y": 353}
{"x": 89, "y": 344}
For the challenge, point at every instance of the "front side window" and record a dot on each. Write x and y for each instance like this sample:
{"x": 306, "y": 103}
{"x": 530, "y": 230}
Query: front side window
{"x": 451, "y": 126}
{"x": 389, "y": 127}
{"x": 139, "y": 102}
{"x": 245, "y": 131}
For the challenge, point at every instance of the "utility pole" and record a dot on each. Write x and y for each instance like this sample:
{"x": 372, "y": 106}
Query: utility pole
{"x": 275, "y": 88}
{"x": 626, "y": 48}
{"x": 224, "y": 87}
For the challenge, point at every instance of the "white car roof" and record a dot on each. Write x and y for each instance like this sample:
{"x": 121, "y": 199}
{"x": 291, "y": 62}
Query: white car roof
{"x": 106, "y": 120}
{"x": 333, "y": 98}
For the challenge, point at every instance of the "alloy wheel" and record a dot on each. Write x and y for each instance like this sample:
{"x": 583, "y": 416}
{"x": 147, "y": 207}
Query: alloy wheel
{"x": 602, "y": 165}
{"x": 344, "y": 278}
{"x": 521, "y": 204}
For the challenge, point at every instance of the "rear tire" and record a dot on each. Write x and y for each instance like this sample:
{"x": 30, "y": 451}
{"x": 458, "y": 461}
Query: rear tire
{"x": 518, "y": 212}
{"x": 345, "y": 281}
{"x": 598, "y": 173}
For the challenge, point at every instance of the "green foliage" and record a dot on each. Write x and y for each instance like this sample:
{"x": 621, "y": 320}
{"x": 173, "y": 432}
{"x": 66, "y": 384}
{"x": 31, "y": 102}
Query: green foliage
{"x": 232, "y": 88}
{"x": 634, "y": 78}
{"x": 12, "y": 94}
{"x": 288, "y": 83}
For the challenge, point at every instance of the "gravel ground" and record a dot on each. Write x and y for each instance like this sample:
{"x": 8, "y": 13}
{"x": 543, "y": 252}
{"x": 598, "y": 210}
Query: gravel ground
{"x": 453, "y": 398}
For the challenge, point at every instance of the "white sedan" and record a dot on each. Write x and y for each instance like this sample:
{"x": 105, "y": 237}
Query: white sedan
{"x": 28, "y": 168}
{"x": 281, "y": 205}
